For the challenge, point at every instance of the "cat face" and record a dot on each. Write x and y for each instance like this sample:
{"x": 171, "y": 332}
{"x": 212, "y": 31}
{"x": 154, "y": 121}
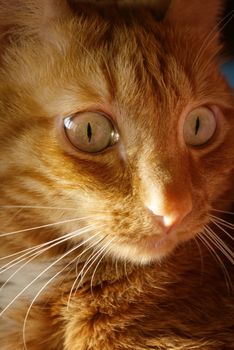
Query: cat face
{"x": 125, "y": 126}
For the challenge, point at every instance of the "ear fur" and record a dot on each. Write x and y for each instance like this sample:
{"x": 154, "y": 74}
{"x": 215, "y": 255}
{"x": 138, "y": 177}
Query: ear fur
{"x": 201, "y": 14}
{"x": 29, "y": 17}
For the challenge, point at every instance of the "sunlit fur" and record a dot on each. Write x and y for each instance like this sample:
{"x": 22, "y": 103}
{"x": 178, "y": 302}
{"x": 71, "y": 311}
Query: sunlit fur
{"x": 99, "y": 270}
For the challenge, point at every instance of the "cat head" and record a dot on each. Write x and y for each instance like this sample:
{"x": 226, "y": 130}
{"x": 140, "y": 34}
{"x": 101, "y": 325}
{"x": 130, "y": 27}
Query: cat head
{"x": 120, "y": 121}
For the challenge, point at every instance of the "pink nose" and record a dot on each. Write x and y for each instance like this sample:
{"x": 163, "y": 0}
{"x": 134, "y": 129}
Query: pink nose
{"x": 172, "y": 215}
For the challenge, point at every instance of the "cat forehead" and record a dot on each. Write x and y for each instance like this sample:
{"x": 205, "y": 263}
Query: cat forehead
{"x": 133, "y": 65}
{"x": 128, "y": 67}
{"x": 136, "y": 64}
{"x": 121, "y": 54}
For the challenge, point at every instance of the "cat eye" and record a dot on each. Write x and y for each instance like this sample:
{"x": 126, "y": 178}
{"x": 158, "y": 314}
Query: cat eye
{"x": 199, "y": 126}
{"x": 90, "y": 131}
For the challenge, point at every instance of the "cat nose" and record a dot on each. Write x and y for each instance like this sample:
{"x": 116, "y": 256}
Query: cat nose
{"x": 172, "y": 214}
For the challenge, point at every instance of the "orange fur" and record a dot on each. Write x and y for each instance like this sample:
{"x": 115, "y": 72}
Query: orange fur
{"x": 57, "y": 60}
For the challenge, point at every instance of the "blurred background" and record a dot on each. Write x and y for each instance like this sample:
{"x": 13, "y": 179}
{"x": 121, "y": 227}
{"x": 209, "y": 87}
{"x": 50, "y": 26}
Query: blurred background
{"x": 228, "y": 36}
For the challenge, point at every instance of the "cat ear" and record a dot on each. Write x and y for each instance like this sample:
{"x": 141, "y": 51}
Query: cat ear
{"x": 203, "y": 15}
{"x": 30, "y": 15}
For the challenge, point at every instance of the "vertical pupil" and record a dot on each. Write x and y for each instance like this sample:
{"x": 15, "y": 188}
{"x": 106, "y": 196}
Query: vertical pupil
{"x": 197, "y": 126}
{"x": 89, "y": 132}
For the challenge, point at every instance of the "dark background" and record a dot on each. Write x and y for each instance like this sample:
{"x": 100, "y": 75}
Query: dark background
{"x": 228, "y": 31}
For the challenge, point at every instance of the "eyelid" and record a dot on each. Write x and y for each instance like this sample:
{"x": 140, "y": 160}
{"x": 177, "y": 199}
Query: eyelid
{"x": 103, "y": 112}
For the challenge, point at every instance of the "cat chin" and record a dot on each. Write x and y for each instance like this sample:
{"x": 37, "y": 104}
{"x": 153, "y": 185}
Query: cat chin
{"x": 150, "y": 250}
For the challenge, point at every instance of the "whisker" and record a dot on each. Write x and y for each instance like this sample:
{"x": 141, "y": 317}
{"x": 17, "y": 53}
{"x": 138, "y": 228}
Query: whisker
{"x": 223, "y": 211}
{"x": 219, "y": 244}
{"x": 44, "y": 226}
{"x": 43, "y": 288}
{"x": 32, "y": 252}
{"x": 95, "y": 257}
{"x": 220, "y": 223}
{"x": 34, "y": 256}
{"x": 35, "y": 247}
{"x": 36, "y": 207}
{"x": 49, "y": 208}
{"x": 126, "y": 272}
{"x": 77, "y": 277}
{"x": 29, "y": 250}
{"x": 225, "y": 224}
{"x": 221, "y": 220}
{"x": 209, "y": 39}
{"x": 43, "y": 272}
{"x": 83, "y": 254}
{"x": 95, "y": 270}
{"x": 218, "y": 259}
{"x": 78, "y": 274}
{"x": 61, "y": 239}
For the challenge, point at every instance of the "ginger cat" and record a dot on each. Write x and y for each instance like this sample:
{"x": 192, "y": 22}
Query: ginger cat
{"x": 116, "y": 172}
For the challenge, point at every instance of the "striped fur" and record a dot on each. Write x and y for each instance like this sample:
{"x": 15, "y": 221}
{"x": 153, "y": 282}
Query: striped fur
{"x": 81, "y": 244}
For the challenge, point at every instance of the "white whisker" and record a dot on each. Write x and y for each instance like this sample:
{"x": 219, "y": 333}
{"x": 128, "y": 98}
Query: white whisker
{"x": 22, "y": 207}
{"x": 43, "y": 288}
{"x": 209, "y": 39}
{"x": 42, "y": 273}
{"x": 44, "y": 226}
{"x": 217, "y": 258}
{"x": 77, "y": 275}
{"x": 32, "y": 249}
{"x": 52, "y": 243}
{"x": 223, "y": 211}
{"x": 92, "y": 278}
{"x": 220, "y": 244}
{"x": 34, "y": 256}
{"x": 224, "y": 223}
{"x": 126, "y": 272}
{"x": 36, "y": 207}
{"x": 218, "y": 219}
{"x": 93, "y": 260}
{"x": 220, "y": 223}
{"x": 94, "y": 257}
